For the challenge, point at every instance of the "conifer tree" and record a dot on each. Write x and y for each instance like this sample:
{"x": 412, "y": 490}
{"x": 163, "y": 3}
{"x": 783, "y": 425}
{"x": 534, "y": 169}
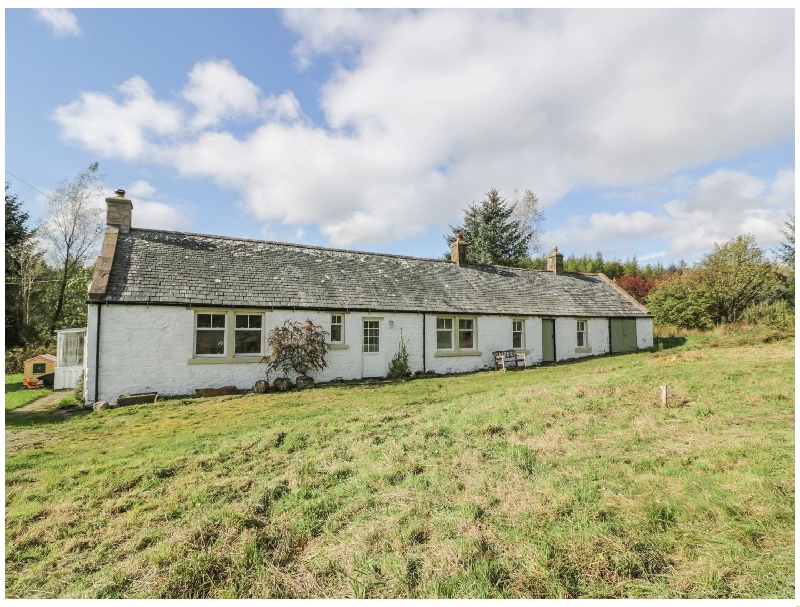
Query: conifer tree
{"x": 493, "y": 235}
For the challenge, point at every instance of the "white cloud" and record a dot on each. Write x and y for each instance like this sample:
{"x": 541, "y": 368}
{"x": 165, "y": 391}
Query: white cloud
{"x": 722, "y": 205}
{"x": 62, "y": 21}
{"x": 114, "y": 129}
{"x": 429, "y": 109}
{"x": 335, "y": 30}
{"x": 220, "y": 92}
{"x": 148, "y": 213}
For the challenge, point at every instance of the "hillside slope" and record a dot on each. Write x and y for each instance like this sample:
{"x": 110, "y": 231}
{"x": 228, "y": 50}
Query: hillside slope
{"x": 565, "y": 481}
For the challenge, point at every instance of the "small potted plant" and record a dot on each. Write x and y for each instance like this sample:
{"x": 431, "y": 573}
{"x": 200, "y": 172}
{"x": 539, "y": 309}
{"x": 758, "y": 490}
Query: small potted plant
{"x": 296, "y": 346}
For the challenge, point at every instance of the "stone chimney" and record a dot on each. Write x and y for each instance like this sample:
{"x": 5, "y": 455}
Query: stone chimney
{"x": 119, "y": 212}
{"x": 555, "y": 262}
{"x": 458, "y": 251}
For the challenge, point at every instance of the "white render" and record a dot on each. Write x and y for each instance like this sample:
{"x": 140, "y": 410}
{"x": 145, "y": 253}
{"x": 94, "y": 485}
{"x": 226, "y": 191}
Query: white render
{"x": 567, "y": 338}
{"x": 148, "y": 348}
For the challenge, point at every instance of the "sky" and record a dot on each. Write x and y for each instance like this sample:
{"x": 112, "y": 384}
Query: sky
{"x": 653, "y": 133}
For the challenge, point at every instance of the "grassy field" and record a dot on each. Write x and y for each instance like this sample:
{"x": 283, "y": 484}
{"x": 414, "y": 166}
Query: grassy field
{"x": 18, "y": 395}
{"x": 564, "y": 481}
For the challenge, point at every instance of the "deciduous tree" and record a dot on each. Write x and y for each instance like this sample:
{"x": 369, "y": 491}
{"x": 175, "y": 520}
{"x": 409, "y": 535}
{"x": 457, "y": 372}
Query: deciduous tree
{"x": 638, "y": 286}
{"x": 735, "y": 275}
{"x": 680, "y": 300}
{"x": 528, "y": 211}
{"x": 72, "y": 228}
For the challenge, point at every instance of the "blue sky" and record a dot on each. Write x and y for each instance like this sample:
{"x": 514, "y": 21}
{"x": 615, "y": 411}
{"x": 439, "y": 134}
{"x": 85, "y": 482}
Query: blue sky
{"x": 643, "y": 132}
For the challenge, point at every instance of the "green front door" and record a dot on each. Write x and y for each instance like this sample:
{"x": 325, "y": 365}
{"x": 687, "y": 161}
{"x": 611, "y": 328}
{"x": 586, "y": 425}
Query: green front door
{"x": 623, "y": 335}
{"x": 548, "y": 340}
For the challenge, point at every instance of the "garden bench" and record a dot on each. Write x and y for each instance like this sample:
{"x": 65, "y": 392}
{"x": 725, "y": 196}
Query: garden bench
{"x": 505, "y": 358}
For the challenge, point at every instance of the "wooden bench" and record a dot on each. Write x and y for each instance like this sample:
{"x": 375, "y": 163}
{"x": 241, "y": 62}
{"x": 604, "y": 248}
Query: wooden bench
{"x": 505, "y": 358}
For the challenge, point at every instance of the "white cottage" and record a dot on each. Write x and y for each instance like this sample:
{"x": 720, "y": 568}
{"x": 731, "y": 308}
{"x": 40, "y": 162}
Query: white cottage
{"x": 171, "y": 312}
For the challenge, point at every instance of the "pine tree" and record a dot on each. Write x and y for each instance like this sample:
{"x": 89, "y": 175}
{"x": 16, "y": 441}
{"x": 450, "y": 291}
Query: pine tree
{"x": 786, "y": 250}
{"x": 492, "y": 234}
{"x": 17, "y": 237}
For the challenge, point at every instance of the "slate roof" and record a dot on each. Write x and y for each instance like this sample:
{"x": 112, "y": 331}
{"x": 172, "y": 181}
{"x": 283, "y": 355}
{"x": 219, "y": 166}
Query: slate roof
{"x": 160, "y": 267}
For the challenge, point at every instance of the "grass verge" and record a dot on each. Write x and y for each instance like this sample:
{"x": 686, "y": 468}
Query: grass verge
{"x": 564, "y": 481}
{"x": 18, "y": 395}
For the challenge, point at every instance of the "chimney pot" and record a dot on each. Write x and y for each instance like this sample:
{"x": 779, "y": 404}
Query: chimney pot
{"x": 459, "y": 238}
{"x": 120, "y": 193}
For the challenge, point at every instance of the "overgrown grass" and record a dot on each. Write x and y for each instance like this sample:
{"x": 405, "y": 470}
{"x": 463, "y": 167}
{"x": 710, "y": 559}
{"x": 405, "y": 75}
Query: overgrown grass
{"x": 564, "y": 481}
{"x": 18, "y": 395}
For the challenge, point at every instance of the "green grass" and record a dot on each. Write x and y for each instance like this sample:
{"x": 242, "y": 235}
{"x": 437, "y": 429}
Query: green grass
{"x": 564, "y": 481}
{"x": 18, "y": 395}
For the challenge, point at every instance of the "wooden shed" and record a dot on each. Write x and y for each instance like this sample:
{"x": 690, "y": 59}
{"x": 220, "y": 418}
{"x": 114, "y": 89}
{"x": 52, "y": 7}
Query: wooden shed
{"x": 39, "y": 365}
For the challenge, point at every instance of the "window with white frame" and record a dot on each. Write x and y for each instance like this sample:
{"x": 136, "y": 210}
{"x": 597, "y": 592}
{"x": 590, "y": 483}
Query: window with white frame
{"x": 372, "y": 338}
{"x": 466, "y": 333}
{"x": 518, "y": 334}
{"x": 71, "y": 353}
{"x": 444, "y": 333}
{"x": 581, "y": 333}
{"x": 247, "y": 335}
{"x": 337, "y": 329}
{"x": 210, "y": 334}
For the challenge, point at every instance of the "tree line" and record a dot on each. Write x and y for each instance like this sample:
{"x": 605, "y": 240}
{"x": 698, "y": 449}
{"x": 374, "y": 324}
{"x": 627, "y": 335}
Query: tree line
{"x": 735, "y": 281}
{"x": 49, "y": 264}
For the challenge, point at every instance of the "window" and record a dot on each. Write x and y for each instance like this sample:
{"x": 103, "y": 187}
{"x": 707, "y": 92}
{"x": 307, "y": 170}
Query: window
{"x": 39, "y": 368}
{"x": 581, "y": 333}
{"x": 518, "y": 334}
{"x": 466, "y": 334}
{"x": 71, "y": 352}
{"x": 337, "y": 329}
{"x": 372, "y": 338}
{"x": 210, "y": 335}
{"x": 444, "y": 333}
{"x": 247, "y": 335}
{"x": 456, "y": 336}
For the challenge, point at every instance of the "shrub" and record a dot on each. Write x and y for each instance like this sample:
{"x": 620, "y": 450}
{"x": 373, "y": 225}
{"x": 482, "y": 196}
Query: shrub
{"x": 778, "y": 315}
{"x": 680, "y": 300}
{"x": 398, "y": 367}
{"x": 79, "y": 389}
{"x": 301, "y": 347}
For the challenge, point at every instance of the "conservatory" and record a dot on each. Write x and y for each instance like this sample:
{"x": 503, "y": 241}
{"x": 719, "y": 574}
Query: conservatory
{"x": 70, "y": 348}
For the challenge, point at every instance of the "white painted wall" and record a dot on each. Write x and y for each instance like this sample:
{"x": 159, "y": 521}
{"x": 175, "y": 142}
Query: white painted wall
{"x": 147, "y": 348}
{"x": 493, "y": 333}
{"x": 567, "y": 337}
